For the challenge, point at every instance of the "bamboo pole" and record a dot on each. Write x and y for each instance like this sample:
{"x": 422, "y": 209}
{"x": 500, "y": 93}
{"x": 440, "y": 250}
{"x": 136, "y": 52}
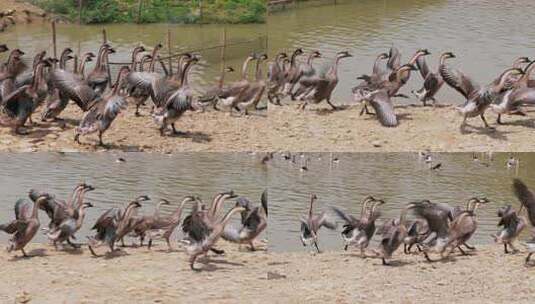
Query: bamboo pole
{"x": 223, "y": 48}
{"x": 54, "y": 39}
{"x": 139, "y": 5}
{"x": 105, "y": 40}
{"x": 170, "y": 62}
{"x": 80, "y": 12}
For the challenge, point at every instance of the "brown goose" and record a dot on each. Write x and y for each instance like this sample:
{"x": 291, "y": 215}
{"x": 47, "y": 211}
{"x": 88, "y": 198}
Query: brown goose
{"x": 164, "y": 227}
{"x": 394, "y": 232}
{"x": 26, "y": 78}
{"x": 56, "y": 103}
{"x": 100, "y": 117}
{"x": 377, "y": 76}
{"x": 177, "y": 103}
{"x": 512, "y": 226}
{"x": 311, "y": 224}
{"x": 276, "y": 78}
{"x": 360, "y": 231}
{"x": 527, "y": 200}
{"x": 250, "y": 97}
{"x": 307, "y": 71}
{"x": 9, "y": 70}
{"x": 253, "y": 222}
{"x": 144, "y": 223}
{"x": 212, "y": 94}
{"x": 113, "y": 225}
{"x": 432, "y": 81}
{"x": 478, "y": 99}
{"x": 380, "y": 99}
{"x": 293, "y": 73}
{"x": 68, "y": 227}
{"x": 20, "y": 104}
{"x": 98, "y": 78}
{"x": 25, "y": 225}
{"x": 197, "y": 248}
{"x": 321, "y": 87}
{"x": 229, "y": 96}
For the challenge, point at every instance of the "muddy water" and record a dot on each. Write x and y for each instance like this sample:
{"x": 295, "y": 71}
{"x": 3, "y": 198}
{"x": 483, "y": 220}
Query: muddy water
{"x": 397, "y": 178}
{"x": 159, "y": 176}
{"x": 124, "y": 37}
{"x": 485, "y": 35}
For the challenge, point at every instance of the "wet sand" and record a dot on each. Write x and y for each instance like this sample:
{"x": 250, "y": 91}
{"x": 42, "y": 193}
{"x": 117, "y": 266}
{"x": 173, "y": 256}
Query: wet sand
{"x": 157, "y": 276}
{"x": 488, "y": 276}
{"x": 318, "y": 129}
{"x": 209, "y": 131}
{"x": 135, "y": 276}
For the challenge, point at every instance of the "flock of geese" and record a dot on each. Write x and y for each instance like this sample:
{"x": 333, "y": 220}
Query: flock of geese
{"x": 51, "y": 83}
{"x": 202, "y": 228}
{"x": 438, "y": 229}
{"x": 511, "y": 90}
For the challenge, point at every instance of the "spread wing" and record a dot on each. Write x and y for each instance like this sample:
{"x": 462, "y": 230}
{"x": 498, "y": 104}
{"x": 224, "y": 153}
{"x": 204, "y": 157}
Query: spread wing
{"x": 459, "y": 81}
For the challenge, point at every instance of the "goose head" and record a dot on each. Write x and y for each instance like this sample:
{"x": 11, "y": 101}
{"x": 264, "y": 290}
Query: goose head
{"x": 298, "y": 51}
{"x": 343, "y": 54}
{"x": 229, "y": 69}
{"x": 316, "y": 54}
{"x": 142, "y": 198}
{"x": 87, "y": 205}
{"x": 383, "y": 56}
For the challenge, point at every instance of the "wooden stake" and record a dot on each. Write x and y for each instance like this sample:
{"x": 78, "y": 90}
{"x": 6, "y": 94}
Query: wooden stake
{"x": 169, "y": 52}
{"x": 223, "y": 48}
{"x": 80, "y": 11}
{"x": 139, "y": 5}
{"x": 105, "y": 40}
{"x": 54, "y": 39}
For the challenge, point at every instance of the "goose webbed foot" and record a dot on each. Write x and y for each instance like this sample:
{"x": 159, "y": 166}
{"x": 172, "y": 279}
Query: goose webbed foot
{"x": 77, "y": 139}
{"x": 461, "y": 250}
{"x": 400, "y": 95}
{"x": 73, "y": 245}
{"x": 335, "y": 108}
{"x": 217, "y": 251}
{"x": 469, "y": 246}
{"x": 385, "y": 263}
{"x": 24, "y": 254}
{"x": 486, "y": 123}
{"x": 92, "y": 251}
{"x": 426, "y": 255}
{"x": 499, "y": 120}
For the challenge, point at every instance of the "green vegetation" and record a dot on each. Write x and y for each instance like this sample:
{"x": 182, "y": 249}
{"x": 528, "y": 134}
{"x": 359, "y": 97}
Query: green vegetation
{"x": 152, "y": 11}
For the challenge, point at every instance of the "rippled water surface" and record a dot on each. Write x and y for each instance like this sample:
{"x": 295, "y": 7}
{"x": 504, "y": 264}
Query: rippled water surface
{"x": 485, "y": 35}
{"x": 159, "y": 176}
{"x": 397, "y": 178}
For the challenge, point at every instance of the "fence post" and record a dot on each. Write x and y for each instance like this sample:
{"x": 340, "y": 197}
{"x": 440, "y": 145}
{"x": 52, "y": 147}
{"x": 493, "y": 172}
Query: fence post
{"x": 80, "y": 12}
{"x": 170, "y": 52}
{"x": 223, "y": 48}
{"x": 139, "y": 5}
{"x": 54, "y": 39}
{"x": 105, "y": 40}
{"x": 200, "y": 10}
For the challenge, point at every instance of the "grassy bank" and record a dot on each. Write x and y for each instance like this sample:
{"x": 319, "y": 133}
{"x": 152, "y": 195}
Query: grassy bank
{"x": 155, "y": 11}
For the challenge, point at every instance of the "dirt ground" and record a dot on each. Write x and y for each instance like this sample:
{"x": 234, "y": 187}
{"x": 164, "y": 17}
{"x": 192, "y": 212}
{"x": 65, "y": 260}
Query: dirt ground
{"x": 319, "y": 129}
{"x": 209, "y": 131}
{"x": 19, "y": 6}
{"x": 138, "y": 275}
{"x": 487, "y": 276}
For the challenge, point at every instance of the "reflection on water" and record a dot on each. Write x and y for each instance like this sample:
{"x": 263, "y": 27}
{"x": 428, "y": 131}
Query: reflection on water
{"x": 160, "y": 176}
{"x": 481, "y": 32}
{"x": 398, "y": 178}
{"x": 124, "y": 37}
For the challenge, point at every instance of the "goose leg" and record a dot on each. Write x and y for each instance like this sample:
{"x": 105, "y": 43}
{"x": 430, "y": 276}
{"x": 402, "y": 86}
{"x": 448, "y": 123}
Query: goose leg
{"x": 485, "y": 122}
{"x": 150, "y": 244}
{"x": 345, "y": 247}
{"x": 27, "y": 256}
{"x": 385, "y": 263}
{"x": 137, "y": 111}
{"x": 77, "y": 139}
{"x": 461, "y": 250}
{"x": 405, "y": 249}
{"x": 317, "y": 248}
{"x": 528, "y": 257}
{"x": 330, "y": 103}
{"x": 169, "y": 247}
{"x": 174, "y": 129}
{"x": 499, "y": 119}
{"x": 505, "y": 248}
{"x": 192, "y": 262}
{"x": 92, "y": 251}
{"x": 427, "y": 257}
{"x": 100, "y": 142}
{"x": 73, "y": 245}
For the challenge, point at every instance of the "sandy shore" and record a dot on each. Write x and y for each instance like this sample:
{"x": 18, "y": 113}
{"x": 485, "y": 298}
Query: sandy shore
{"x": 209, "y": 131}
{"x": 136, "y": 276}
{"x": 437, "y": 129}
{"x": 158, "y": 276}
{"x": 488, "y": 276}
